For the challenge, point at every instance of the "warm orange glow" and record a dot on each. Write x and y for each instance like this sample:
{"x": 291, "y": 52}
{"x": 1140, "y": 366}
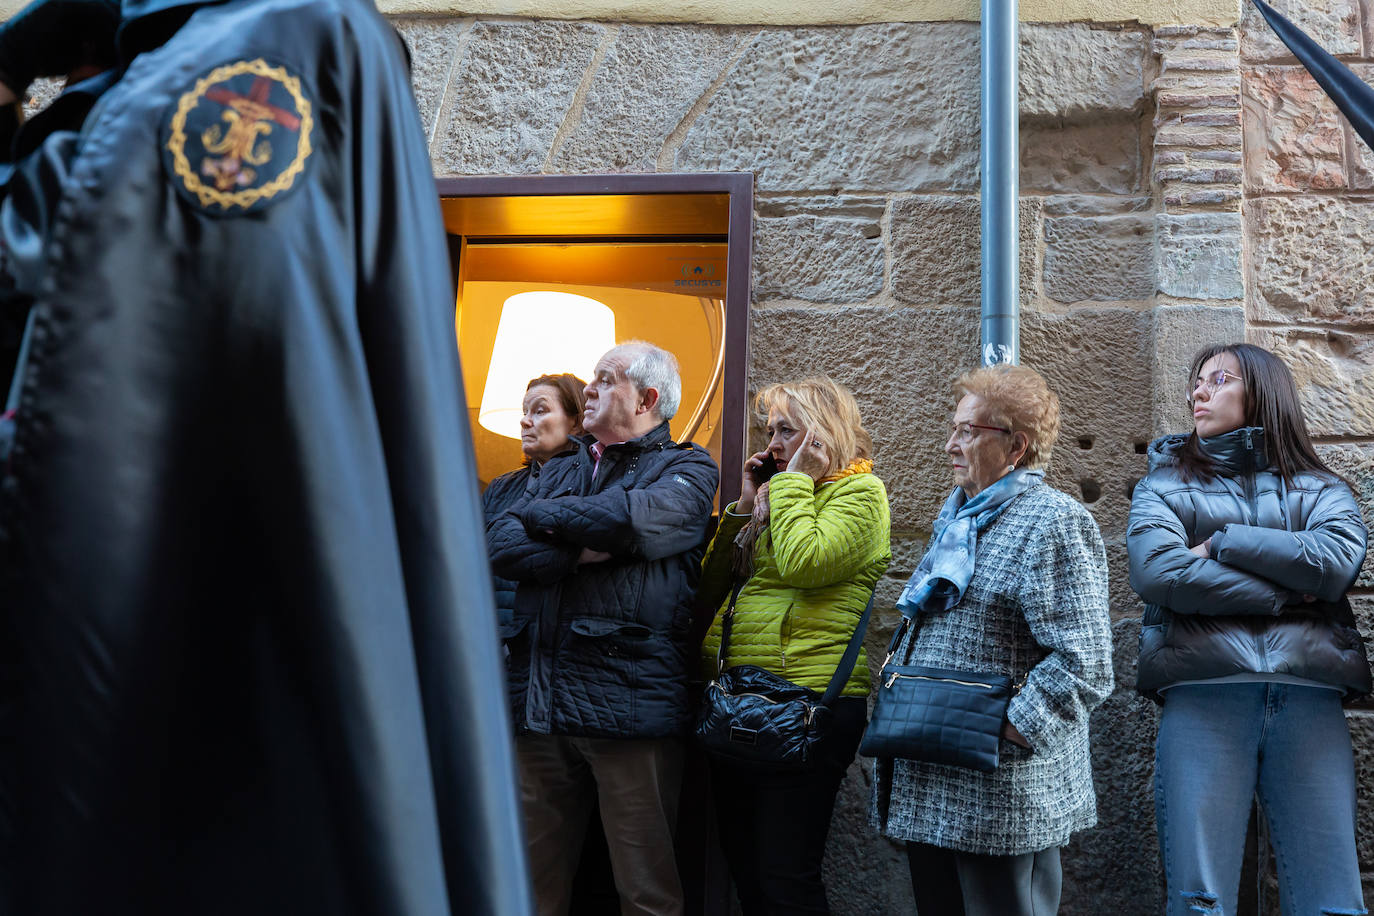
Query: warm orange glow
{"x": 542, "y": 332}
{"x": 588, "y": 215}
{"x": 665, "y": 267}
{"x": 656, "y": 262}
{"x": 689, "y": 326}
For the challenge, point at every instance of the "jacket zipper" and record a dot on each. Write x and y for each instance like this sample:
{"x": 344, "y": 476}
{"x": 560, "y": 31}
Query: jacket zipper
{"x": 1250, "y": 499}
{"x": 1250, "y": 479}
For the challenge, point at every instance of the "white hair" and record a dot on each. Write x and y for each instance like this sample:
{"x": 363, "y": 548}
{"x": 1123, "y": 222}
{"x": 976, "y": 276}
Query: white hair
{"x": 653, "y": 367}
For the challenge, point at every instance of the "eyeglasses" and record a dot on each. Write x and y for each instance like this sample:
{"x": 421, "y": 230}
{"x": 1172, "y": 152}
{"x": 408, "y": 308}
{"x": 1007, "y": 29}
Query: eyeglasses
{"x": 1211, "y": 382}
{"x": 963, "y": 433}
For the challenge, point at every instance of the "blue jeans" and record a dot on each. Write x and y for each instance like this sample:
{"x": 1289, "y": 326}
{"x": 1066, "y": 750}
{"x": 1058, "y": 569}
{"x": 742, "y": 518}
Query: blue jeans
{"x": 1220, "y": 745}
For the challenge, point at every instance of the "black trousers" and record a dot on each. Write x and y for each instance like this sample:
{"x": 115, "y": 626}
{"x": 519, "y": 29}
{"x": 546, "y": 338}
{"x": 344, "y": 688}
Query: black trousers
{"x": 949, "y": 883}
{"x": 773, "y": 826}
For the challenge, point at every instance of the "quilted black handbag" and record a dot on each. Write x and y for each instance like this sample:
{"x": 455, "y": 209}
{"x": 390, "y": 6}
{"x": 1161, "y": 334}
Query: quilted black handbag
{"x": 752, "y": 716}
{"x": 937, "y": 715}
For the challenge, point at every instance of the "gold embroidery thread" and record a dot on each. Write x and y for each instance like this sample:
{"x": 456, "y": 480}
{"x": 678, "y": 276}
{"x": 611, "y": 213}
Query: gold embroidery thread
{"x": 239, "y": 144}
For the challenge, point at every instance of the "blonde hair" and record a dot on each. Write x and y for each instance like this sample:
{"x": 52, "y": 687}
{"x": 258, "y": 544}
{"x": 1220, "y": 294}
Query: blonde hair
{"x": 827, "y": 409}
{"x": 1019, "y": 399}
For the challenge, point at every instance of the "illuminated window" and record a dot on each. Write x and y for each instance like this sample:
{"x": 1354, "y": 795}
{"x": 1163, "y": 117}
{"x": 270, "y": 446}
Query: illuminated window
{"x": 550, "y": 270}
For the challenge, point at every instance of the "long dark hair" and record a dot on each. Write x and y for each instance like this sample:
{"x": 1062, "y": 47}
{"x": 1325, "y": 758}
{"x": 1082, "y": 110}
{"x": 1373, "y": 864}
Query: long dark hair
{"x": 1271, "y": 402}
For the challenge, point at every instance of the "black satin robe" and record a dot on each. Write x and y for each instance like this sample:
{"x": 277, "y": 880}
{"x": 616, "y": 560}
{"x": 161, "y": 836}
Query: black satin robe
{"x": 247, "y": 608}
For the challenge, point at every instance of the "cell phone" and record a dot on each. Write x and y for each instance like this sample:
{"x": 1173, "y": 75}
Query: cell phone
{"x": 766, "y": 469}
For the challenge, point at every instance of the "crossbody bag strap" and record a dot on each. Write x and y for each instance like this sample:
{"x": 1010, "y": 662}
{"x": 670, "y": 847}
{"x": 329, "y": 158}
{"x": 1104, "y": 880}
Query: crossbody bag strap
{"x": 725, "y": 625}
{"x": 850, "y": 657}
{"x": 896, "y": 641}
{"x": 911, "y": 647}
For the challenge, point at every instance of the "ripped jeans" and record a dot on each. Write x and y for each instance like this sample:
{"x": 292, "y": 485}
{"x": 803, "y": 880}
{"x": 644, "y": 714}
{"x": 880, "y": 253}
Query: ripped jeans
{"x": 1220, "y": 745}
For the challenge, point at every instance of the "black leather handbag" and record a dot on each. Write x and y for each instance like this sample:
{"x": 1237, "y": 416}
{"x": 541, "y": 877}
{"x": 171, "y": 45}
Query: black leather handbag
{"x": 937, "y": 715}
{"x": 752, "y": 716}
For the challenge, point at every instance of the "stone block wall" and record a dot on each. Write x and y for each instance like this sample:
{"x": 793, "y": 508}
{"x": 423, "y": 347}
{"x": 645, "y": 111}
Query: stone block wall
{"x": 1180, "y": 186}
{"x": 1308, "y": 219}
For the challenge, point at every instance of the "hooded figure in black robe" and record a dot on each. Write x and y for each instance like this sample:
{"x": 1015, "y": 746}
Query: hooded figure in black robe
{"x": 246, "y": 613}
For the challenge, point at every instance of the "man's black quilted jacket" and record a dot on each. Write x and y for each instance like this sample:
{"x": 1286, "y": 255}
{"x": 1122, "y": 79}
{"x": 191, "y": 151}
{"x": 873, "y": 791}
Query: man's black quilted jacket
{"x": 600, "y": 649}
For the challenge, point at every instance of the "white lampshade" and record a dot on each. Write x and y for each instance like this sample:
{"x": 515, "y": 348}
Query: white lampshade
{"x": 541, "y": 333}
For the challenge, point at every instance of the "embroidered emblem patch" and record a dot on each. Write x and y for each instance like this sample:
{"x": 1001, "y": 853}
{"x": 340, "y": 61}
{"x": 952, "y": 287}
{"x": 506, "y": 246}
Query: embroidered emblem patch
{"x": 240, "y": 137}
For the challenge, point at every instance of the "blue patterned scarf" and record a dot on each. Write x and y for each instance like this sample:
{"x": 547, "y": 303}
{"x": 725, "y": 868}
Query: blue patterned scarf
{"x": 946, "y": 569}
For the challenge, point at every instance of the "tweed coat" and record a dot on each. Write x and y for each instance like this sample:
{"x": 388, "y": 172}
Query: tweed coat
{"x": 815, "y": 566}
{"x": 1037, "y": 609}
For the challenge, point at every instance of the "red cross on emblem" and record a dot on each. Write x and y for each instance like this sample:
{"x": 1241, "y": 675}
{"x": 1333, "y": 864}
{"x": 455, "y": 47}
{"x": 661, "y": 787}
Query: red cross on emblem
{"x": 256, "y": 103}
{"x": 241, "y": 137}
{"x": 242, "y": 143}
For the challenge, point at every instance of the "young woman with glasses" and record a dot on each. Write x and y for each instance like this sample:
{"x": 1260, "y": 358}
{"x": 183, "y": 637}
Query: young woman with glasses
{"x": 1243, "y": 543}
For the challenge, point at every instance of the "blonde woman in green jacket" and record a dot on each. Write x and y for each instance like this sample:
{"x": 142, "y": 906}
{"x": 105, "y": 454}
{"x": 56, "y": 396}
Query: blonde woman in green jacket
{"x": 809, "y": 539}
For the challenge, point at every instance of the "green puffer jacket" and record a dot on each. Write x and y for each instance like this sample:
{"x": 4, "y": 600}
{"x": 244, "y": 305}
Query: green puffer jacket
{"x": 814, "y": 567}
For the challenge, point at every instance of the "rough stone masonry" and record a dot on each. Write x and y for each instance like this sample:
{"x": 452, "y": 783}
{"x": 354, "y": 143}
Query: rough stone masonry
{"x": 1180, "y": 186}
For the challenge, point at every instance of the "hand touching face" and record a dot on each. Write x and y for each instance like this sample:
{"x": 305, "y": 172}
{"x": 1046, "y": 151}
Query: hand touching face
{"x": 811, "y": 457}
{"x": 795, "y": 448}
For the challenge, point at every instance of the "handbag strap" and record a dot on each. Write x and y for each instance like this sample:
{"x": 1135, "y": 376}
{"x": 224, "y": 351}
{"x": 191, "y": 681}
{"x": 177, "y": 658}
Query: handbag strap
{"x": 725, "y": 627}
{"x": 850, "y": 657}
{"x": 911, "y": 647}
{"x": 847, "y": 661}
{"x": 896, "y": 641}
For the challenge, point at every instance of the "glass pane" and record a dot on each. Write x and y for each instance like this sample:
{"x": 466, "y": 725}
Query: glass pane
{"x": 669, "y": 293}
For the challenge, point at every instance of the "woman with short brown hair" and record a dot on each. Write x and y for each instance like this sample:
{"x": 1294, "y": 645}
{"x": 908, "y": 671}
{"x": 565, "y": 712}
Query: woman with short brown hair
{"x": 1013, "y": 584}
{"x": 551, "y": 415}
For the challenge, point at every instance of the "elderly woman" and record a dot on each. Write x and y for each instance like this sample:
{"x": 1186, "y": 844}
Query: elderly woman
{"x": 805, "y": 544}
{"x": 1242, "y": 543}
{"x": 551, "y": 416}
{"x": 1014, "y": 583}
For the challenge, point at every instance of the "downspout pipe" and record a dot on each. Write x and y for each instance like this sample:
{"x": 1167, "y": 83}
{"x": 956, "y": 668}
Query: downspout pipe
{"x": 1001, "y": 183}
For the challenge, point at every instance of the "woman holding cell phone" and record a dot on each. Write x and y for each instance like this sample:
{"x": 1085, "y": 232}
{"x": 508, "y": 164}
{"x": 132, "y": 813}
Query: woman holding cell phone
{"x": 803, "y": 548}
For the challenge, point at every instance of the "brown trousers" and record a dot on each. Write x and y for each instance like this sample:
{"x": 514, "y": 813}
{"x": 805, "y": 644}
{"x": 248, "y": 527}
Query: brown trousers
{"x": 635, "y": 782}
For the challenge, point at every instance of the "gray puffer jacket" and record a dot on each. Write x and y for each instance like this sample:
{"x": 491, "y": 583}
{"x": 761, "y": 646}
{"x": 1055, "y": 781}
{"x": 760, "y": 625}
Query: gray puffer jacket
{"x": 1242, "y": 611}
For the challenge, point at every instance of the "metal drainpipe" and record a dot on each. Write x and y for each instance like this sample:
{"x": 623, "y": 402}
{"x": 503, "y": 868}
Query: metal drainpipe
{"x": 1000, "y": 163}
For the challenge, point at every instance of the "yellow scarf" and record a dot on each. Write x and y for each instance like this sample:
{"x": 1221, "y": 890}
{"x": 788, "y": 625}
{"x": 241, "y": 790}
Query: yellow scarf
{"x": 857, "y": 466}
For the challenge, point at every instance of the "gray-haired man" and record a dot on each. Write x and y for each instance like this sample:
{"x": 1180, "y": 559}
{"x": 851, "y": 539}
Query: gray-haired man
{"x": 606, "y": 550}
